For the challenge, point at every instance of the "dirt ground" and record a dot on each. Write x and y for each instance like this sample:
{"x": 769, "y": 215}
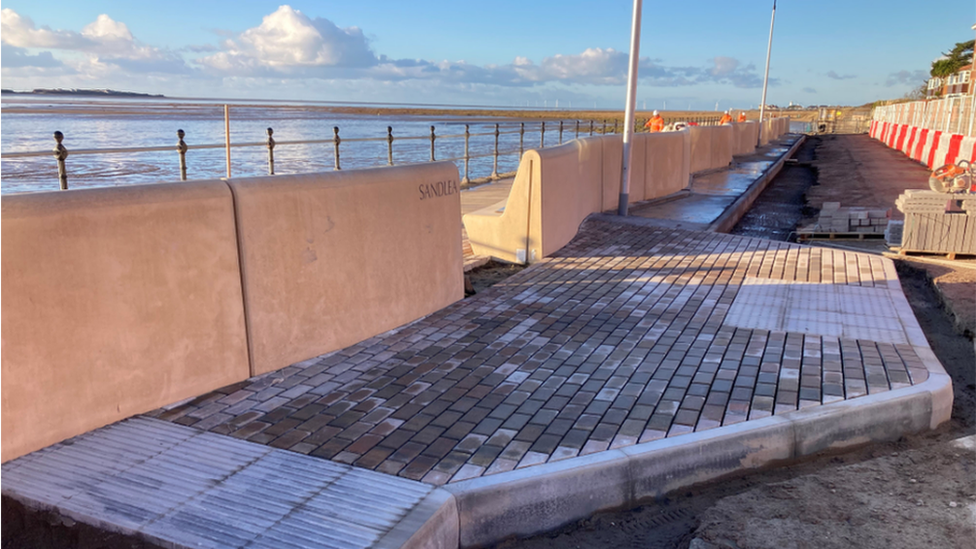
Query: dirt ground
{"x": 919, "y": 491}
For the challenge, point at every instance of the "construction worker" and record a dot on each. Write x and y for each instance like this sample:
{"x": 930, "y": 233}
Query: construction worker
{"x": 726, "y": 118}
{"x": 655, "y": 124}
{"x": 742, "y": 117}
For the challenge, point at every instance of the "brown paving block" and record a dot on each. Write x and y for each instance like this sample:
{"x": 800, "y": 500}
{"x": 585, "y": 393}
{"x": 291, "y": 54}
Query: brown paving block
{"x": 605, "y": 364}
{"x": 416, "y": 469}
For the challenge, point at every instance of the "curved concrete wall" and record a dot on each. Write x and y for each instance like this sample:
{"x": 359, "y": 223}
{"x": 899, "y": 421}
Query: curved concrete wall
{"x": 330, "y": 259}
{"x": 556, "y": 188}
{"x": 116, "y": 301}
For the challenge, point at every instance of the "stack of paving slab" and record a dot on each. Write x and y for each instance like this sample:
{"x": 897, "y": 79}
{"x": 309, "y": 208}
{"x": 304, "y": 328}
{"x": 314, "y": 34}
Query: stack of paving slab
{"x": 938, "y": 222}
{"x": 834, "y": 219}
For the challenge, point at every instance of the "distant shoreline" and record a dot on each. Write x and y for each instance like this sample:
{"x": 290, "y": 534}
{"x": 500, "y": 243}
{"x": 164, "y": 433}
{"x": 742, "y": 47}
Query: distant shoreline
{"x": 82, "y": 93}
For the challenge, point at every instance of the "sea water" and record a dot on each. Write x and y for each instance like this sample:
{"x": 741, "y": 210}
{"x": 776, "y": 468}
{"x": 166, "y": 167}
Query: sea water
{"x": 28, "y": 124}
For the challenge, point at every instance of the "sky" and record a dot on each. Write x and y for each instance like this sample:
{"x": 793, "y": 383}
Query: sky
{"x": 700, "y": 54}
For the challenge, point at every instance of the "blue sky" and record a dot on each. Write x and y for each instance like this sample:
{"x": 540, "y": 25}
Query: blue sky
{"x": 503, "y": 53}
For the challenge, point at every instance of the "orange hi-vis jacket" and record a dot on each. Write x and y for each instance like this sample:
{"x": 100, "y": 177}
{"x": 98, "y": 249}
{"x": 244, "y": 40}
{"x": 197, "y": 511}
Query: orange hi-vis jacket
{"x": 656, "y": 124}
{"x": 726, "y": 119}
{"x": 742, "y": 117}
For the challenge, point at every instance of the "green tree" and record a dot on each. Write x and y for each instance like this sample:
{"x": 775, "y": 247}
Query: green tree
{"x": 953, "y": 60}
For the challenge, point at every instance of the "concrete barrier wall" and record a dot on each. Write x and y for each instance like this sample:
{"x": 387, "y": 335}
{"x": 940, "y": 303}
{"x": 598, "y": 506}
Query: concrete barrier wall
{"x": 701, "y": 148}
{"x": 711, "y": 147}
{"x": 556, "y": 188}
{"x": 116, "y": 301}
{"x": 722, "y": 137}
{"x": 330, "y": 259}
{"x": 745, "y": 137}
{"x": 571, "y": 176}
{"x": 668, "y": 163}
{"x": 504, "y": 229}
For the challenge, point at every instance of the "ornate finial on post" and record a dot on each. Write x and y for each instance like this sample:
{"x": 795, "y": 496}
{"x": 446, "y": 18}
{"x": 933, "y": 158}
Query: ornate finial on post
{"x": 335, "y": 143}
{"x": 60, "y": 154}
{"x": 494, "y": 165}
{"x": 181, "y": 148}
{"x": 521, "y": 139}
{"x": 271, "y": 146}
{"x": 432, "y": 138}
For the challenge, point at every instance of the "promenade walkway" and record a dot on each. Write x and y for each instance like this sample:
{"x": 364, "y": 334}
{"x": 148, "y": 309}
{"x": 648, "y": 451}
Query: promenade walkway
{"x": 637, "y": 359}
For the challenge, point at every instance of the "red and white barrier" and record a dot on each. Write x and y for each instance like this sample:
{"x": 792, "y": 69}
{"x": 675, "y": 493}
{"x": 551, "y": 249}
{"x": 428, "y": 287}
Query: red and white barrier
{"x": 930, "y": 147}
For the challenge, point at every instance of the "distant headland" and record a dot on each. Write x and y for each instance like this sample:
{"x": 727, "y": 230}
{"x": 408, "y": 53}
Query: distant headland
{"x": 80, "y": 92}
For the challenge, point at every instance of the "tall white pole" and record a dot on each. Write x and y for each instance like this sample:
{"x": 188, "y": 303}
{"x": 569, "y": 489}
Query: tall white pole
{"x": 629, "y": 109}
{"x": 769, "y": 49}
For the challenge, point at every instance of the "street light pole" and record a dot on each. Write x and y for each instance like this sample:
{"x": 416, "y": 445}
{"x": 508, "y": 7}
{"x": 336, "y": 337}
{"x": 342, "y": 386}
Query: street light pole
{"x": 629, "y": 109}
{"x": 769, "y": 49}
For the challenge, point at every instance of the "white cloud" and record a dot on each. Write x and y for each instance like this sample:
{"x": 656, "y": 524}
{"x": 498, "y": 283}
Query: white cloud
{"x": 104, "y": 40}
{"x": 20, "y": 31}
{"x": 290, "y": 47}
{"x": 288, "y": 41}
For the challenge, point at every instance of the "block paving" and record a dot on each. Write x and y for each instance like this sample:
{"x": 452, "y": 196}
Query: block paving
{"x": 619, "y": 338}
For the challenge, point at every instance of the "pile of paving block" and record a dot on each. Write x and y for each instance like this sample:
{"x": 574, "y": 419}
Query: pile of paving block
{"x": 836, "y": 220}
{"x": 938, "y": 222}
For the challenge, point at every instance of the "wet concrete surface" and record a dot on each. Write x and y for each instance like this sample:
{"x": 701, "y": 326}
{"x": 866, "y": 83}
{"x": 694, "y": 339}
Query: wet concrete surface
{"x": 712, "y": 193}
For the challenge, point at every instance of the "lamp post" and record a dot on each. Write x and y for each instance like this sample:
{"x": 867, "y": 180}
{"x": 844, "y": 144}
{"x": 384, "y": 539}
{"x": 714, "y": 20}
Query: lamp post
{"x": 769, "y": 49}
{"x": 629, "y": 109}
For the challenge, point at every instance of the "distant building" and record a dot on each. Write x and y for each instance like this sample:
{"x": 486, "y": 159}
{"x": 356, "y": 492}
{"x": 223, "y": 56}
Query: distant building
{"x": 954, "y": 84}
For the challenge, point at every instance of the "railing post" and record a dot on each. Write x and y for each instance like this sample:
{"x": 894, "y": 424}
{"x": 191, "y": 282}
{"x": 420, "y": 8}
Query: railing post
{"x": 227, "y": 136}
{"x": 494, "y": 167}
{"x": 542, "y": 136}
{"x": 521, "y": 140}
{"x": 560, "y": 132}
{"x": 60, "y": 153}
{"x": 389, "y": 145}
{"x": 614, "y": 125}
{"x": 181, "y": 148}
{"x": 577, "y": 129}
{"x": 467, "y": 157}
{"x": 335, "y": 142}
{"x": 271, "y": 145}
{"x": 591, "y": 128}
{"x": 432, "y": 138}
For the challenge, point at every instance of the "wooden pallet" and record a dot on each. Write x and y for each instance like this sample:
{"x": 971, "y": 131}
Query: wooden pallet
{"x": 824, "y": 235}
{"x": 952, "y": 256}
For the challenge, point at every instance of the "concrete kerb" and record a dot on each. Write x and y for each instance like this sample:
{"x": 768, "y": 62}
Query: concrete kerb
{"x": 541, "y": 498}
{"x": 733, "y": 213}
{"x": 432, "y": 524}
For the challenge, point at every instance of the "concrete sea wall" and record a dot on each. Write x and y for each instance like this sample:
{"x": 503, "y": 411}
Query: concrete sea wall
{"x": 121, "y": 300}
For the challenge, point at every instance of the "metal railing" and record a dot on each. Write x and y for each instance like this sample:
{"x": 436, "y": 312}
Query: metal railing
{"x": 575, "y": 127}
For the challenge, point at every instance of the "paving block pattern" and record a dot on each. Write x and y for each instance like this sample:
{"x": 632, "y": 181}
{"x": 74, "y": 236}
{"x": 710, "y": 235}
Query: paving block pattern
{"x": 625, "y": 336}
{"x": 182, "y": 487}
